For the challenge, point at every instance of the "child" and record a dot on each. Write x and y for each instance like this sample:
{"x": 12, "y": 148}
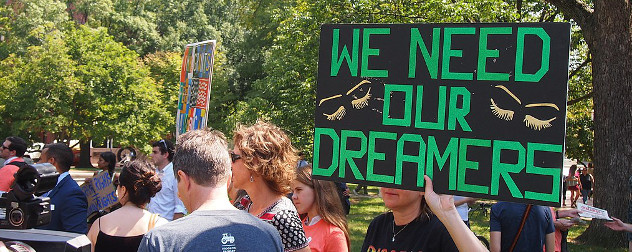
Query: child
{"x": 319, "y": 205}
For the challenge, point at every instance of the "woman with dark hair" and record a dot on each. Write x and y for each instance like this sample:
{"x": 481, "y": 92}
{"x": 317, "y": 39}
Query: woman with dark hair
{"x": 107, "y": 162}
{"x": 264, "y": 164}
{"x": 123, "y": 229}
{"x": 419, "y": 221}
{"x": 324, "y": 220}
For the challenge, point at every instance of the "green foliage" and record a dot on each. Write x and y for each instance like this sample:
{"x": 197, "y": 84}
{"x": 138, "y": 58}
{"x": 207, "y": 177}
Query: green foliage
{"x": 81, "y": 84}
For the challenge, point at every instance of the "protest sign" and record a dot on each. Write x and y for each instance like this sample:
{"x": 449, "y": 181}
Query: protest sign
{"x": 479, "y": 108}
{"x": 195, "y": 86}
{"x": 100, "y": 192}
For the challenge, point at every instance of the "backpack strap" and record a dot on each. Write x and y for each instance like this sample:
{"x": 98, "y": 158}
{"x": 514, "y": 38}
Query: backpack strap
{"x": 524, "y": 219}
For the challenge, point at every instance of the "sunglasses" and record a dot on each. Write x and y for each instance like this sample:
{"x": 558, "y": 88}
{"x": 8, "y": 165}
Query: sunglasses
{"x": 234, "y": 157}
{"x": 164, "y": 143}
{"x": 4, "y": 147}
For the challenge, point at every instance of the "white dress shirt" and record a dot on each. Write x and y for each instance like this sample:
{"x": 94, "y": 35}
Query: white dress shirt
{"x": 166, "y": 201}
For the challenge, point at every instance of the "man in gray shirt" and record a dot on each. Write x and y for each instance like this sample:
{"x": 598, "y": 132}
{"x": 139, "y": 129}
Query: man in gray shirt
{"x": 202, "y": 167}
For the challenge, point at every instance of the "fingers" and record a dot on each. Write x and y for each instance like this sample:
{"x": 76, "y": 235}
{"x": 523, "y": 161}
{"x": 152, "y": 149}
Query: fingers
{"x": 428, "y": 187}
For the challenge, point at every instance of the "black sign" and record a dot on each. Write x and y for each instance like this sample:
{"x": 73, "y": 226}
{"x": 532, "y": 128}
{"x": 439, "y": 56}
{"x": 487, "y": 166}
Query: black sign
{"x": 480, "y": 108}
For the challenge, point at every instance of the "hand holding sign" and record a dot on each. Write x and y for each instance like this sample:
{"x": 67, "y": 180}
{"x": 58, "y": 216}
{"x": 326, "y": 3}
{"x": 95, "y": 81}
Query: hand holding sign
{"x": 618, "y": 225}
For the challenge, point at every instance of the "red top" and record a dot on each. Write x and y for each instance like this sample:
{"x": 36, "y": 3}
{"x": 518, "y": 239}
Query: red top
{"x": 6, "y": 175}
{"x": 324, "y": 236}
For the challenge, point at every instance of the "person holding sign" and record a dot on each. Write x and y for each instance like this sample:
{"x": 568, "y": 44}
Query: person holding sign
{"x": 264, "y": 163}
{"x": 123, "y": 229}
{"x": 106, "y": 163}
{"x": 419, "y": 221}
{"x": 324, "y": 220}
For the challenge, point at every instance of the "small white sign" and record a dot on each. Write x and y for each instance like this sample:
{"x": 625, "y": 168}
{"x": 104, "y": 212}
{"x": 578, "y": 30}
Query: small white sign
{"x": 592, "y": 212}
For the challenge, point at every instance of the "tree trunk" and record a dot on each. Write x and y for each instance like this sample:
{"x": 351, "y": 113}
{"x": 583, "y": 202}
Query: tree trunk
{"x": 612, "y": 85}
{"x": 84, "y": 155}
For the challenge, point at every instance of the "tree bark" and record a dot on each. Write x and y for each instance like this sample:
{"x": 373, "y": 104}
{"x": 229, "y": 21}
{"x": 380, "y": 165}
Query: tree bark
{"x": 84, "y": 155}
{"x": 608, "y": 33}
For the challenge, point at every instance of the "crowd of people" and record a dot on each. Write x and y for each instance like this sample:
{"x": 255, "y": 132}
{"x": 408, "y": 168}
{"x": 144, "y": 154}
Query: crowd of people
{"x": 199, "y": 195}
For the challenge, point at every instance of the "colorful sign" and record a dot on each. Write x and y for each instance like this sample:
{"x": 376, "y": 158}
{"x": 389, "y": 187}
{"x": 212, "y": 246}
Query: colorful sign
{"x": 195, "y": 86}
{"x": 100, "y": 192}
{"x": 479, "y": 108}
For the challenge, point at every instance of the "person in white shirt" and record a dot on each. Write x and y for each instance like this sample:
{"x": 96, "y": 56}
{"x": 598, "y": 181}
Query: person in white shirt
{"x": 166, "y": 202}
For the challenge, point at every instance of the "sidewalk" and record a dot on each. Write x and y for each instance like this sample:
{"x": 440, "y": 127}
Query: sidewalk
{"x": 579, "y": 200}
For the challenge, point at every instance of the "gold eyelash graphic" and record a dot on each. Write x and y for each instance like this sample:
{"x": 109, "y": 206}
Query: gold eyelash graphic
{"x": 510, "y": 93}
{"x": 543, "y": 105}
{"x": 362, "y": 102}
{"x": 504, "y": 114}
{"x": 328, "y": 98}
{"x": 357, "y": 86}
{"x": 339, "y": 114}
{"x": 537, "y": 124}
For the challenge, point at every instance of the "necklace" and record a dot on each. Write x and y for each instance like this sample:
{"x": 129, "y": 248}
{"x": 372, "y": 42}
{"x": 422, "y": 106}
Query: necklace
{"x": 395, "y": 234}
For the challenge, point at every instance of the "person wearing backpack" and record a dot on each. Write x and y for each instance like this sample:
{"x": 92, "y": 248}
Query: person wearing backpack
{"x": 13, "y": 149}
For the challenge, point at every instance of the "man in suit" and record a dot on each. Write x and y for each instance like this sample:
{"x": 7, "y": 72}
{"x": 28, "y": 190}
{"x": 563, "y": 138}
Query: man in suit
{"x": 13, "y": 149}
{"x": 69, "y": 203}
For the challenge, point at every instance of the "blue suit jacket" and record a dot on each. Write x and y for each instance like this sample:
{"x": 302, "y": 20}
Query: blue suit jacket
{"x": 70, "y": 206}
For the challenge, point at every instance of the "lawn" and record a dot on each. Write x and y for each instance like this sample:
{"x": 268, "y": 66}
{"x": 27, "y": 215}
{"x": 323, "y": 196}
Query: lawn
{"x": 364, "y": 208}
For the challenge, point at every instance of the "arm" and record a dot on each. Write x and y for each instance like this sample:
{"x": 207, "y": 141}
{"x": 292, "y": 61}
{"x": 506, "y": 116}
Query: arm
{"x": 494, "y": 241}
{"x": 464, "y": 200}
{"x": 92, "y": 234}
{"x": 618, "y": 225}
{"x": 443, "y": 207}
{"x": 550, "y": 242}
{"x": 568, "y": 213}
{"x": 74, "y": 212}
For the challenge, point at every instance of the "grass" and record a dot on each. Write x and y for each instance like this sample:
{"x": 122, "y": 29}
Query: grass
{"x": 364, "y": 208}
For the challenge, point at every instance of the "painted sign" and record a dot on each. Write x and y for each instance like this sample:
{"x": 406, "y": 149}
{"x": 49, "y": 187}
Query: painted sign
{"x": 479, "y": 108}
{"x": 195, "y": 86}
{"x": 100, "y": 192}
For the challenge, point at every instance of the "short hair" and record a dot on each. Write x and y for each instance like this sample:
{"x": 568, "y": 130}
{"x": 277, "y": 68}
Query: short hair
{"x": 17, "y": 144}
{"x": 140, "y": 180}
{"x": 268, "y": 151}
{"x": 165, "y": 146}
{"x": 61, "y": 153}
{"x": 203, "y": 156}
{"x": 110, "y": 158}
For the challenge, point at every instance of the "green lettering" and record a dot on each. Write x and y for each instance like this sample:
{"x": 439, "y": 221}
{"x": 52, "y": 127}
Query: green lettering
{"x": 432, "y": 60}
{"x": 458, "y": 114}
{"x": 318, "y": 133}
{"x": 352, "y": 60}
{"x": 372, "y": 156}
{"x": 484, "y": 53}
{"x": 465, "y": 164}
{"x": 346, "y": 156}
{"x": 555, "y": 173}
{"x": 500, "y": 169}
{"x": 546, "y": 54}
{"x": 401, "y": 158}
{"x": 408, "y": 102}
{"x": 440, "y": 124}
{"x": 451, "y": 151}
{"x": 448, "y": 53}
{"x": 367, "y": 51}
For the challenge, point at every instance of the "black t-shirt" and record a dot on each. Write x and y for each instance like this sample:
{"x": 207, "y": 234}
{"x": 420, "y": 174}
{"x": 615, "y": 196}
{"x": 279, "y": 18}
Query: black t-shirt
{"x": 422, "y": 234}
{"x": 586, "y": 181}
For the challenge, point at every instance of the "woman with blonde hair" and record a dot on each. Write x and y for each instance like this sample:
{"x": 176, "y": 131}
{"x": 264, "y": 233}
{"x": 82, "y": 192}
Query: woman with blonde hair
{"x": 263, "y": 164}
{"x": 123, "y": 229}
{"x": 324, "y": 220}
